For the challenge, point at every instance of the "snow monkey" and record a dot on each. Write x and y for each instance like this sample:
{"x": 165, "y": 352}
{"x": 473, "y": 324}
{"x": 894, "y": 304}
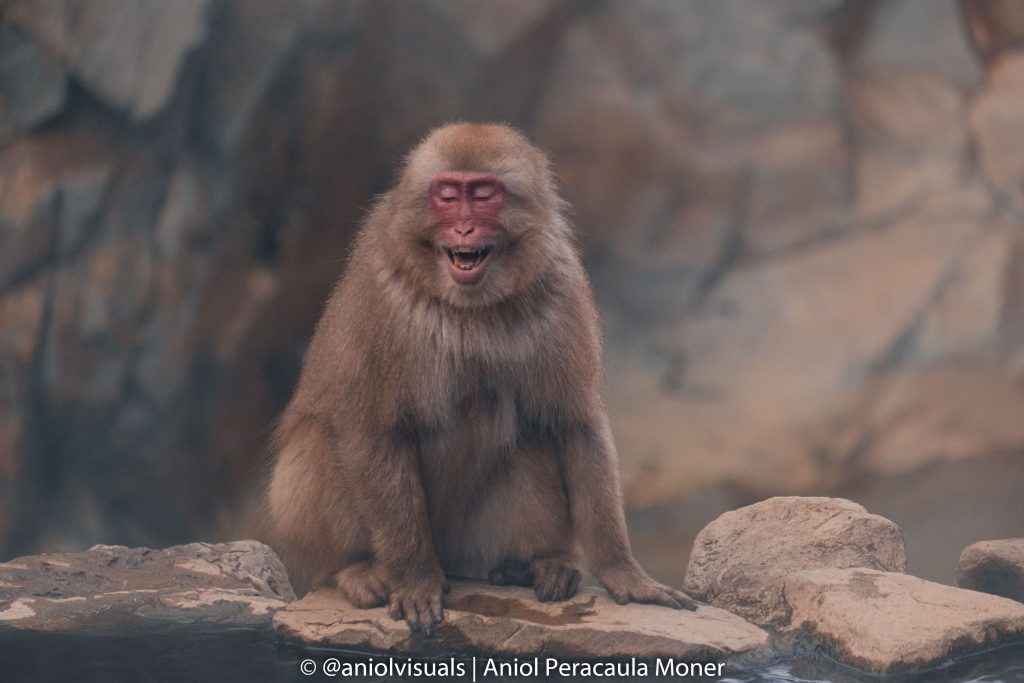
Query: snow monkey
{"x": 448, "y": 419}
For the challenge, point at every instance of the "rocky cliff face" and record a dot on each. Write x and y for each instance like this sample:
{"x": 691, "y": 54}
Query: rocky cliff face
{"x": 803, "y": 221}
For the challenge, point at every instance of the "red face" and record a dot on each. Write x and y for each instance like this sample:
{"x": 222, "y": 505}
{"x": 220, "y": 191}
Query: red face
{"x": 467, "y": 208}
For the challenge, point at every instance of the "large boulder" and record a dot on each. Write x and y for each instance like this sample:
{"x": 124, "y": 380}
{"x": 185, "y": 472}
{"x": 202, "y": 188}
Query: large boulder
{"x": 740, "y": 561}
{"x": 111, "y": 588}
{"x": 128, "y": 54}
{"x": 510, "y": 622}
{"x": 996, "y": 123}
{"x": 885, "y": 622}
{"x": 995, "y": 567}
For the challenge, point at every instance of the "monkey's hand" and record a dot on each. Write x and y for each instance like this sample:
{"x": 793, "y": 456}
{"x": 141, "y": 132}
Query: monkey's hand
{"x": 627, "y": 581}
{"x": 416, "y": 597}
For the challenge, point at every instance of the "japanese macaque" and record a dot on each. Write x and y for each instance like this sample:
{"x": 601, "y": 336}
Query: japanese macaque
{"x": 448, "y": 419}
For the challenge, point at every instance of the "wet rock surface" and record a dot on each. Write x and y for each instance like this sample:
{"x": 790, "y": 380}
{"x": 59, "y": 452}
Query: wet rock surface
{"x": 995, "y": 567}
{"x": 886, "y": 622}
{"x": 506, "y": 621}
{"x": 117, "y": 589}
{"x": 740, "y": 561}
{"x": 854, "y": 621}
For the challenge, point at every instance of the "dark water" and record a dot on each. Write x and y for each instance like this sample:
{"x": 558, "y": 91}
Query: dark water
{"x": 260, "y": 657}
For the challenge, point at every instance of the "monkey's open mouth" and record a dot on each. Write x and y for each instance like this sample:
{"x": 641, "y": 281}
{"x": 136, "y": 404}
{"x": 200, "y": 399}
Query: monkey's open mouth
{"x": 467, "y": 258}
{"x": 466, "y": 262}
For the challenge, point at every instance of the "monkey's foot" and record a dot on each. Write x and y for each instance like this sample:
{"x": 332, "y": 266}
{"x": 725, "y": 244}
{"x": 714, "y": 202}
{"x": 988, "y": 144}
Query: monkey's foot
{"x": 417, "y": 599}
{"x": 554, "y": 579}
{"x": 363, "y": 585}
{"x": 629, "y": 583}
{"x": 511, "y": 573}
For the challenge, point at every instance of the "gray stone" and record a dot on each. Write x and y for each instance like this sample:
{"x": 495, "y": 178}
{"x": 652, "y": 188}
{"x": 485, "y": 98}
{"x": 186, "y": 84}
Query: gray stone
{"x": 995, "y": 25}
{"x": 884, "y": 622}
{"x": 741, "y": 560}
{"x": 995, "y": 567}
{"x": 510, "y": 622}
{"x": 127, "y": 53}
{"x": 33, "y": 87}
{"x": 924, "y": 35}
{"x": 113, "y": 588}
{"x": 998, "y": 127}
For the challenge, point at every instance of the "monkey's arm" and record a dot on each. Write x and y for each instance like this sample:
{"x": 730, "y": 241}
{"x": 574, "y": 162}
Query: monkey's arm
{"x": 595, "y": 499}
{"x": 393, "y": 505}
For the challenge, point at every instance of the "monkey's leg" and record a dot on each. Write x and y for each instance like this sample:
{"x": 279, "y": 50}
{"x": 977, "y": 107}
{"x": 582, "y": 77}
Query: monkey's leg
{"x": 591, "y": 475}
{"x": 554, "y": 579}
{"x": 387, "y": 492}
{"x": 305, "y": 488}
{"x": 363, "y": 584}
{"x": 511, "y": 573}
{"x": 524, "y": 520}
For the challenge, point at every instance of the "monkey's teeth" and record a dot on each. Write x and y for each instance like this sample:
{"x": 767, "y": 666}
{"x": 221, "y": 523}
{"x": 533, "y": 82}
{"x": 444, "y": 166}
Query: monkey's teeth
{"x": 467, "y": 258}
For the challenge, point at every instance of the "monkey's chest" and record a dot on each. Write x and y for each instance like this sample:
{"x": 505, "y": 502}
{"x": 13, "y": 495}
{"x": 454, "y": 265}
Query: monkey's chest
{"x": 479, "y": 432}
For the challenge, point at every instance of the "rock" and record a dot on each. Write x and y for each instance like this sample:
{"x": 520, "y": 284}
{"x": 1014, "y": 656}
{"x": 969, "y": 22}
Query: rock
{"x": 53, "y": 187}
{"x": 110, "y": 588}
{"x": 995, "y": 567}
{"x": 998, "y": 127}
{"x": 884, "y": 622}
{"x": 128, "y": 54}
{"x": 947, "y": 505}
{"x": 511, "y": 622}
{"x": 781, "y": 345}
{"x": 913, "y": 137}
{"x": 995, "y": 25}
{"x": 33, "y": 87}
{"x": 920, "y": 417}
{"x": 741, "y": 560}
{"x": 926, "y": 35}
{"x": 21, "y": 317}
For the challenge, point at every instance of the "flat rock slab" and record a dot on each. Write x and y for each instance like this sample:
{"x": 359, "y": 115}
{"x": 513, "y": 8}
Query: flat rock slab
{"x": 886, "y": 622}
{"x": 509, "y": 621}
{"x": 995, "y": 567}
{"x": 740, "y": 560}
{"x": 112, "y": 588}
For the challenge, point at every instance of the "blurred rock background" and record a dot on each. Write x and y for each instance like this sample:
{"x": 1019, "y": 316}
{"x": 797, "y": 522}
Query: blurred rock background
{"x": 804, "y": 220}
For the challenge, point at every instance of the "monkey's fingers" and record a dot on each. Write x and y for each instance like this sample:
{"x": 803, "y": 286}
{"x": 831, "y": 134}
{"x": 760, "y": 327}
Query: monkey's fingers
{"x": 574, "y": 584}
{"x": 413, "y": 617}
{"x": 646, "y": 590}
{"x": 436, "y": 611}
{"x": 420, "y": 615}
{"x": 558, "y": 583}
{"x": 395, "y": 609}
{"x": 682, "y": 598}
{"x": 661, "y": 597}
{"x": 619, "y": 595}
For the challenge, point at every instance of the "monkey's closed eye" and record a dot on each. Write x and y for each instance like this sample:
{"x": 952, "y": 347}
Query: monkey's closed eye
{"x": 482, "y": 193}
{"x": 448, "y": 193}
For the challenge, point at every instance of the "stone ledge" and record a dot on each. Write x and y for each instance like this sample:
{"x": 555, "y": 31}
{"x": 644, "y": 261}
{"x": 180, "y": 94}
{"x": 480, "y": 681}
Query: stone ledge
{"x": 886, "y": 622}
{"x": 113, "y": 588}
{"x": 508, "y": 621}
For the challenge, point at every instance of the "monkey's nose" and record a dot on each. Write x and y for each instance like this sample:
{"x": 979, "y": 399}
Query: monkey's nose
{"x": 464, "y": 229}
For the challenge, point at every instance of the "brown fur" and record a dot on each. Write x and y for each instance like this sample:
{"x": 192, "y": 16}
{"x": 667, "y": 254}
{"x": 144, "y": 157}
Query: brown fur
{"x": 439, "y": 429}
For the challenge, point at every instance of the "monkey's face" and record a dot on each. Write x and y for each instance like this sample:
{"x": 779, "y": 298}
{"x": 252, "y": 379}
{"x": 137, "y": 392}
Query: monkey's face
{"x": 467, "y": 232}
{"x": 477, "y": 207}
